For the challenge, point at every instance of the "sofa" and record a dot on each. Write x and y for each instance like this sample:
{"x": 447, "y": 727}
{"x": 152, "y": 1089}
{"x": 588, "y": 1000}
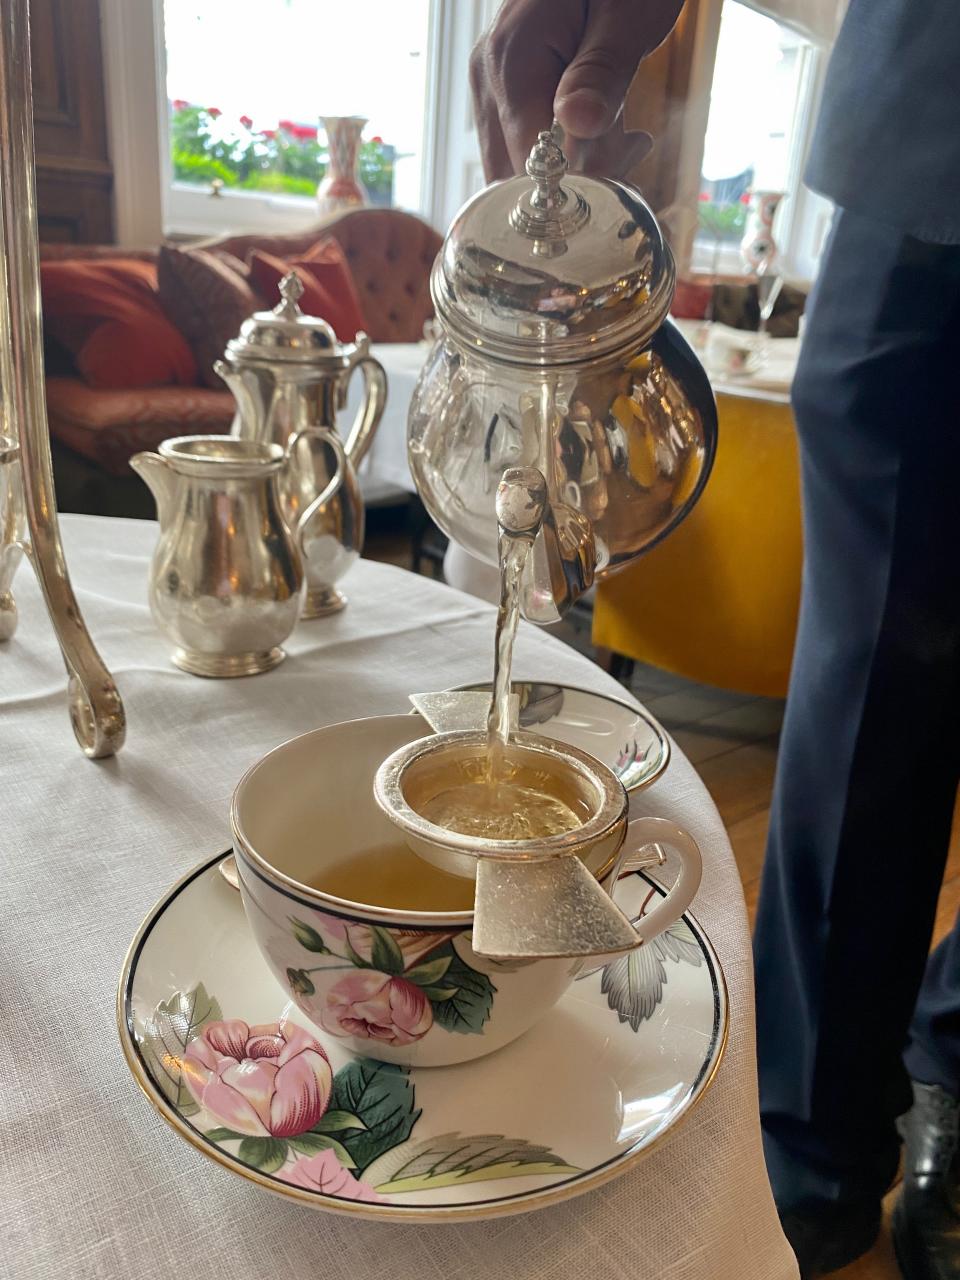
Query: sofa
{"x": 94, "y": 431}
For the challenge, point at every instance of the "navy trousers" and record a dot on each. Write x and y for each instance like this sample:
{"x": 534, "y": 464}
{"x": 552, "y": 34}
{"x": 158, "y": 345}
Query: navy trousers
{"x": 847, "y": 1004}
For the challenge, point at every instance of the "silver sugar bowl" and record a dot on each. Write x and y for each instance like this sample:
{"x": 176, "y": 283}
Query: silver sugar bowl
{"x": 551, "y": 295}
{"x": 288, "y": 371}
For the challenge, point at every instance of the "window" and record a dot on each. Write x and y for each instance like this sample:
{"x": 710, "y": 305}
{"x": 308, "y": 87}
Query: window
{"x": 765, "y": 88}
{"x": 246, "y": 83}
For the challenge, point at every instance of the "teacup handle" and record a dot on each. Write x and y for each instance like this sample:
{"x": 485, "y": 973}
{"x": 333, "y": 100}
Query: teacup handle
{"x": 336, "y": 480}
{"x": 649, "y": 834}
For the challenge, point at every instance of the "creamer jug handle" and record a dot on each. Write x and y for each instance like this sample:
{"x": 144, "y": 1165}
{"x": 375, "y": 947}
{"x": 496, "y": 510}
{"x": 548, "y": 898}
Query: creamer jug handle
{"x": 330, "y": 438}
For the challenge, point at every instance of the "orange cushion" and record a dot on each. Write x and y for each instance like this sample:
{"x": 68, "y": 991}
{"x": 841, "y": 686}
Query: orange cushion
{"x": 108, "y": 316}
{"x": 329, "y": 290}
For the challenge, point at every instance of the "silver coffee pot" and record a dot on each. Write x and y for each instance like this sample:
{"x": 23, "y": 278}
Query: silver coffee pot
{"x": 551, "y": 295}
{"x": 288, "y": 371}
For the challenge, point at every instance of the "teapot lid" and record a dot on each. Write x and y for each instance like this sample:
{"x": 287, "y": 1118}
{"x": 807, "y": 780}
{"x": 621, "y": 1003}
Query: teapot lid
{"x": 553, "y": 267}
{"x": 286, "y": 334}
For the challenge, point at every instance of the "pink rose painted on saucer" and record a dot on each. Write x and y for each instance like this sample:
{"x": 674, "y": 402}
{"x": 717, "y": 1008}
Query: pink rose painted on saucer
{"x": 264, "y": 1081}
{"x": 376, "y": 1006}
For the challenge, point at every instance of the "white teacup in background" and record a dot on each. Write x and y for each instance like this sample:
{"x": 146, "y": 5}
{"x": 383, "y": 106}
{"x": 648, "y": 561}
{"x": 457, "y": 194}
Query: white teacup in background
{"x": 399, "y": 985}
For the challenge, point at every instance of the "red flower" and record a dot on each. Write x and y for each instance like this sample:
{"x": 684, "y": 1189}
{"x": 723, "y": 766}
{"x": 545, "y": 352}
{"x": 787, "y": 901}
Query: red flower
{"x": 378, "y": 140}
{"x": 308, "y": 131}
{"x": 745, "y": 198}
{"x": 268, "y": 133}
{"x": 288, "y": 125}
{"x": 704, "y": 197}
{"x": 246, "y": 121}
{"x": 179, "y": 104}
{"x": 213, "y": 112}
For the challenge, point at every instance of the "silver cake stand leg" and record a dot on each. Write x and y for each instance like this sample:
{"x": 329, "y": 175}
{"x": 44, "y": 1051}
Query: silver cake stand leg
{"x": 96, "y": 710}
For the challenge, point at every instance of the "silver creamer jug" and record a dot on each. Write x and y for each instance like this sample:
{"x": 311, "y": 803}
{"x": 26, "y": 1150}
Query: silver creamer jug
{"x": 226, "y": 581}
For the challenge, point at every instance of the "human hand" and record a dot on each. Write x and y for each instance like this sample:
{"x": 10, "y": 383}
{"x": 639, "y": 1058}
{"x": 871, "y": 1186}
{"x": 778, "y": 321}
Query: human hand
{"x": 568, "y": 59}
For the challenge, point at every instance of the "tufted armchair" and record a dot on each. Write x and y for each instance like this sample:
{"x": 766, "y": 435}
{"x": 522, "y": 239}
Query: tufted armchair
{"x": 95, "y": 432}
{"x": 390, "y": 254}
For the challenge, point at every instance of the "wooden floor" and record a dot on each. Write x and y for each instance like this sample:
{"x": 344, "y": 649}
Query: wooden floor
{"x": 732, "y": 742}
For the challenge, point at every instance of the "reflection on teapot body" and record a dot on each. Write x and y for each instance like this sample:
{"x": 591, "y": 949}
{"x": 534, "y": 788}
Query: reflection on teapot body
{"x": 555, "y": 353}
{"x": 287, "y": 371}
{"x": 226, "y": 582}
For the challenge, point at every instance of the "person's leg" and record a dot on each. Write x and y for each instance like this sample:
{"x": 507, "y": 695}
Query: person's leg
{"x": 870, "y": 750}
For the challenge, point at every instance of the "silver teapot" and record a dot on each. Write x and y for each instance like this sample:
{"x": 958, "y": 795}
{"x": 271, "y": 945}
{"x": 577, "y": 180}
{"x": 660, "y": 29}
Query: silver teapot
{"x": 551, "y": 294}
{"x": 226, "y": 581}
{"x": 287, "y": 371}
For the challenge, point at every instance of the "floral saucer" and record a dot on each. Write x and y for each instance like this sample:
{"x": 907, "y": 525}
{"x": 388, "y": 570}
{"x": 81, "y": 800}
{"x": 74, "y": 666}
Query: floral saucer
{"x": 625, "y": 738}
{"x": 574, "y": 1102}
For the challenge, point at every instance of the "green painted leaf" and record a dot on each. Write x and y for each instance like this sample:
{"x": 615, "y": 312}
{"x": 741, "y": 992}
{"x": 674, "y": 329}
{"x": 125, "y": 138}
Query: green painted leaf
{"x": 426, "y": 975}
{"x": 221, "y": 1135}
{"x": 452, "y": 1159}
{"x": 435, "y": 994}
{"x": 334, "y": 1121}
{"x": 265, "y": 1154}
{"x": 308, "y": 937}
{"x": 354, "y": 958}
{"x": 469, "y": 1007}
{"x": 385, "y": 955}
{"x": 381, "y": 1095}
{"x": 309, "y": 1144}
{"x": 165, "y": 1036}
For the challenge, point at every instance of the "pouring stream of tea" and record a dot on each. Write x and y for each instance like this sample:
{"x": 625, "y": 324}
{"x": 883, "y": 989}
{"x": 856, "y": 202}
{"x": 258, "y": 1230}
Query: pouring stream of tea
{"x": 521, "y": 503}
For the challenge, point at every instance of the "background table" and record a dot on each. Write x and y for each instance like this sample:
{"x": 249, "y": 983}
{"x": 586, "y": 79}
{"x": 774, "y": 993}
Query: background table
{"x": 92, "y": 1182}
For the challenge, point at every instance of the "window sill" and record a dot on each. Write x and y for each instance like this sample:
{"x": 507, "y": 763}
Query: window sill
{"x": 195, "y": 210}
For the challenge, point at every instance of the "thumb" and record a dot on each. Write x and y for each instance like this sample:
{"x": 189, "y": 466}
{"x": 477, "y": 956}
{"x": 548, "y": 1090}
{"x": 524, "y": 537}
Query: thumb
{"x": 592, "y": 89}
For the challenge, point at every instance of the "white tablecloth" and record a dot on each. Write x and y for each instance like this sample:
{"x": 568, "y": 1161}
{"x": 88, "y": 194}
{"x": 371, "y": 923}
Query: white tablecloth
{"x": 92, "y": 1182}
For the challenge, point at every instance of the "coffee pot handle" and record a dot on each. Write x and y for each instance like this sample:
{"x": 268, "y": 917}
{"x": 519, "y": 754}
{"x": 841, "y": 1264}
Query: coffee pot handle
{"x": 360, "y": 436}
{"x": 329, "y": 437}
{"x": 649, "y": 834}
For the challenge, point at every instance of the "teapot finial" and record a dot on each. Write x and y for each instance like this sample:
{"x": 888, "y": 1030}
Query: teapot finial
{"x": 548, "y": 213}
{"x": 546, "y": 165}
{"x": 291, "y": 291}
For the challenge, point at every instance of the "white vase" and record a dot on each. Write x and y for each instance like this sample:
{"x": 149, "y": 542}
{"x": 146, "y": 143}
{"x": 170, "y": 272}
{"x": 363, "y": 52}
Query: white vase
{"x": 758, "y": 245}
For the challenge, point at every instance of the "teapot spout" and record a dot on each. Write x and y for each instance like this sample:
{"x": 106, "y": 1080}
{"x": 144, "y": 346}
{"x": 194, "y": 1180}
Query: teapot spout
{"x": 158, "y": 476}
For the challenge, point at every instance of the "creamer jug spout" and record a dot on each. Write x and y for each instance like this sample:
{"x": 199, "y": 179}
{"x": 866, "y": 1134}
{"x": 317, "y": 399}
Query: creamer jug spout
{"x": 159, "y": 478}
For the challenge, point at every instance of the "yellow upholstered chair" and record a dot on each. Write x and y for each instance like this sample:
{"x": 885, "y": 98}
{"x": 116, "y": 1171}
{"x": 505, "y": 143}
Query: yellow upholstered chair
{"x": 717, "y": 601}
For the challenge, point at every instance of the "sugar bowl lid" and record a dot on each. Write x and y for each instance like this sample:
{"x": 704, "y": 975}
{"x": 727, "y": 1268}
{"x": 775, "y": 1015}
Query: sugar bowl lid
{"x": 553, "y": 267}
{"x": 285, "y": 334}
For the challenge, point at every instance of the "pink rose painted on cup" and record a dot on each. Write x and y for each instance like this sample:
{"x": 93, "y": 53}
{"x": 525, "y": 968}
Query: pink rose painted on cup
{"x": 325, "y": 1173}
{"x": 264, "y": 1081}
{"x": 375, "y": 1006}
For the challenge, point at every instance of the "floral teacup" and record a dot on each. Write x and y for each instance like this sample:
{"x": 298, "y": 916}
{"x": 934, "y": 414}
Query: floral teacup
{"x": 399, "y": 985}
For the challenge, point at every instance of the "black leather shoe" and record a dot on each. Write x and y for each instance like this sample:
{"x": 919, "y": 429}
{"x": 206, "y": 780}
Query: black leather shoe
{"x": 826, "y": 1237}
{"x": 926, "y": 1220}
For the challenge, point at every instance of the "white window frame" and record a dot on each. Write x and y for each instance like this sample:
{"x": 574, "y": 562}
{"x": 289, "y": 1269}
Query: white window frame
{"x": 149, "y": 204}
{"x": 804, "y": 217}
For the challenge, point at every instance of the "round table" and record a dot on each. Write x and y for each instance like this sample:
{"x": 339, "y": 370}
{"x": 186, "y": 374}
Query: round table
{"x": 93, "y": 1183}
